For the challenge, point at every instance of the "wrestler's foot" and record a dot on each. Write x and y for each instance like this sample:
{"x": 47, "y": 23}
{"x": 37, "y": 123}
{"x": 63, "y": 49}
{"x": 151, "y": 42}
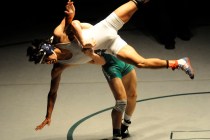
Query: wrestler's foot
{"x": 124, "y": 128}
{"x": 139, "y": 3}
{"x": 116, "y": 138}
{"x": 116, "y": 134}
{"x": 185, "y": 65}
{"x": 125, "y": 135}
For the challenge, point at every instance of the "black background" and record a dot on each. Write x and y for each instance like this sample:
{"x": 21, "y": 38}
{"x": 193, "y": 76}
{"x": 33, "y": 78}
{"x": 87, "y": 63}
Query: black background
{"x": 19, "y": 12}
{"x": 23, "y": 15}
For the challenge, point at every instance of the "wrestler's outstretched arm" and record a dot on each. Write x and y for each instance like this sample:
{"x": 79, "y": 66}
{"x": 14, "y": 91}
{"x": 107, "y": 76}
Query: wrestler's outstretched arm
{"x": 52, "y": 95}
{"x": 62, "y": 33}
{"x": 70, "y": 12}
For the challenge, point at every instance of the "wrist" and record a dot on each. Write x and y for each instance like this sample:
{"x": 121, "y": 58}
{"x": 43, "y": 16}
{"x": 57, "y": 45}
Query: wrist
{"x": 48, "y": 117}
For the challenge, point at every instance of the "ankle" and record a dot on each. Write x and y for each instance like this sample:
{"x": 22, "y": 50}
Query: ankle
{"x": 173, "y": 64}
{"x": 126, "y": 122}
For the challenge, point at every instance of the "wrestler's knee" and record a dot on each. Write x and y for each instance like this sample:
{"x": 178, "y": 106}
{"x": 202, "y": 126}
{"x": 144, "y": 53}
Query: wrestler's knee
{"x": 132, "y": 95}
{"x": 120, "y": 105}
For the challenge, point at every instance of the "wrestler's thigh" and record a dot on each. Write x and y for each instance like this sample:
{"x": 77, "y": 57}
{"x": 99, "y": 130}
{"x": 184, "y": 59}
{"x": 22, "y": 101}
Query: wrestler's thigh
{"x": 117, "y": 88}
{"x": 130, "y": 55}
{"x": 130, "y": 83}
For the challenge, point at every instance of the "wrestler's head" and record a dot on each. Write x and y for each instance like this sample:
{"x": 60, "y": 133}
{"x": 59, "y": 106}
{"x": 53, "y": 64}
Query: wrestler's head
{"x": 40, "y": 52}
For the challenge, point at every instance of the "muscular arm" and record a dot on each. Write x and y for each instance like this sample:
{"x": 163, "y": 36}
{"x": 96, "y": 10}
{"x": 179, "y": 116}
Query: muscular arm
{"x": 62, "y": 32}
{"x": 52, "y": 95}
{"x": 59, "y": 34}
{"x": 70, "y": 29}
{"x": 77, "y": 28}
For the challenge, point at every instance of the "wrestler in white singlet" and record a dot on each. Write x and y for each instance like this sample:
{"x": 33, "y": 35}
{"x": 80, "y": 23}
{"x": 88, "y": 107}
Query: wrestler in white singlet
{"x": 78, "y": 57}
{"x": 105, "y": 35}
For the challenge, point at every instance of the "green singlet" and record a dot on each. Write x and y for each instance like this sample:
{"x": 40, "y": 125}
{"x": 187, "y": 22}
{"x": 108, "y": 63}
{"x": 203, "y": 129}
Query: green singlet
{"x": 114, "y": 67}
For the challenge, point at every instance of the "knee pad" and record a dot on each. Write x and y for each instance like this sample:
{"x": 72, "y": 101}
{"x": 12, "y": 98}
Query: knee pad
{"x": 120, "y": 105}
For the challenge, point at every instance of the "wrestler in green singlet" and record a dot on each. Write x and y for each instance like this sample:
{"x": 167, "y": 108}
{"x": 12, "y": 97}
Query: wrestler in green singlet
{"x": 115, "y": 67}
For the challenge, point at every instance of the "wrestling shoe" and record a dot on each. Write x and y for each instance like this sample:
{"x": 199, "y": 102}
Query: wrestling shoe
{"x": 185, "y": 65}
{"x": 116, "y": 134}
{"x": 124, "y": 128}
{"x": 117, "y": 138}
{"x": 140, "y": 3}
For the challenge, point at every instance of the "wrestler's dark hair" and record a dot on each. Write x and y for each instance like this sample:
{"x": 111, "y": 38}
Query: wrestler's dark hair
{"x": 33, "y": 51}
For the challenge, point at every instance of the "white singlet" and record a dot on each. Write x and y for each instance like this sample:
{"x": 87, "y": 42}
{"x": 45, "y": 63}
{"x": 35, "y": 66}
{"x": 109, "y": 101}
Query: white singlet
{"x": 105, "y": 35}
{"x": 78, "y": 57}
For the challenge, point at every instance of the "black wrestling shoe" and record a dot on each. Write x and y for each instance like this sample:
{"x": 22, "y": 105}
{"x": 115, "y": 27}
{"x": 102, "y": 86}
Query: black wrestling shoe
{"x": 116, "y": 134}
{"x": 139, "y": 3}
{"x": 117, "y": 138}
{"x": 124, "y": 128}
